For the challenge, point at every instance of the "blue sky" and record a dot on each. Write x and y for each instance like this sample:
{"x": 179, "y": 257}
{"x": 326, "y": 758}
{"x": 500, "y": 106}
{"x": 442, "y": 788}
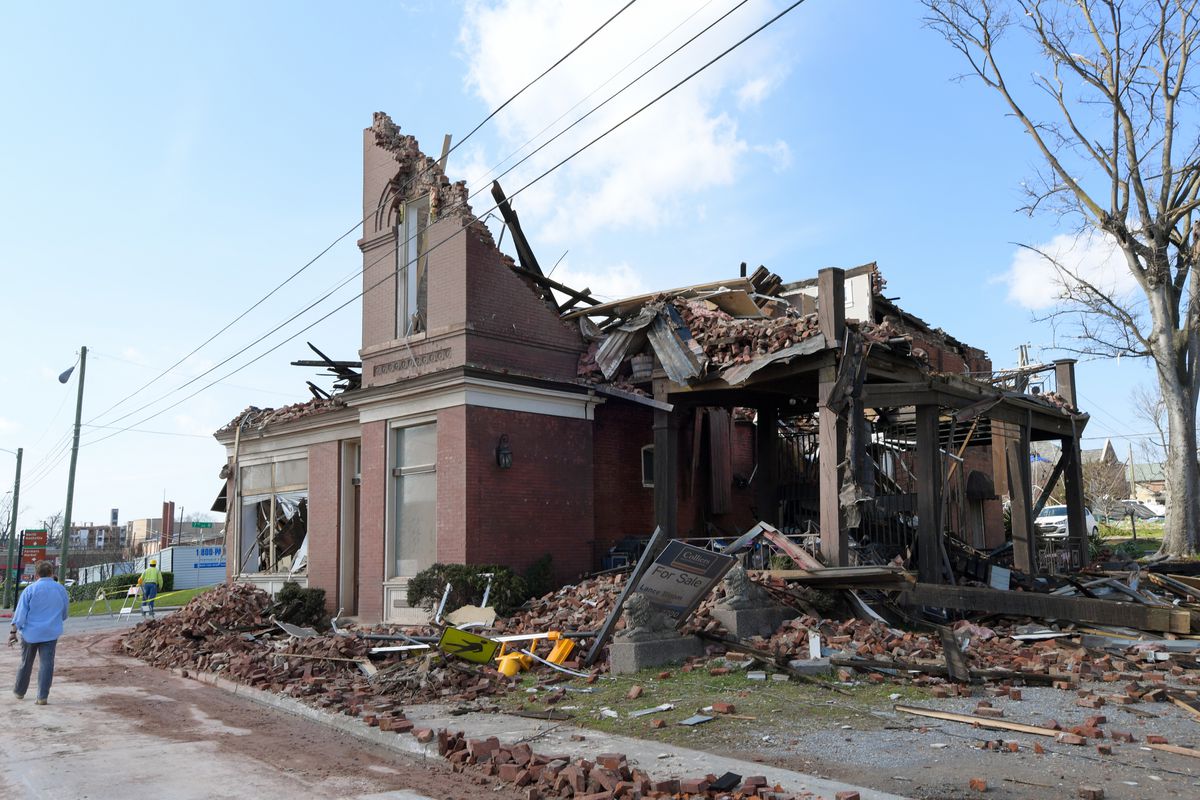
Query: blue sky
{"x": 164, "y": 165}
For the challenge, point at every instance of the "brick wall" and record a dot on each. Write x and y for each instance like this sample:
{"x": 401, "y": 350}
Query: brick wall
{"x": 511, "y": 328}
{"x": 623, "y": 506}
{"x": 324, "y": 509}
{"x": 543, "y": 504}
{"x": 372, "y": 520}
{"x": 452, "y": 485}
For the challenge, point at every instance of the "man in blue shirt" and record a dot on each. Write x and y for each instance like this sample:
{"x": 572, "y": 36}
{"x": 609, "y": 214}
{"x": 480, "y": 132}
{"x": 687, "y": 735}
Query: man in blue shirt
{"x": 39, "y": 619}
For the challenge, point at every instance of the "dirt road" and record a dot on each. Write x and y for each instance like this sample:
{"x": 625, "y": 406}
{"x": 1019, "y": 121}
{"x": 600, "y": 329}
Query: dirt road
{"x": 116, "y": 728}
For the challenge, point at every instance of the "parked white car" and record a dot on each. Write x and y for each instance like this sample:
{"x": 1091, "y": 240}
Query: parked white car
{"x": 1052, "y": 522}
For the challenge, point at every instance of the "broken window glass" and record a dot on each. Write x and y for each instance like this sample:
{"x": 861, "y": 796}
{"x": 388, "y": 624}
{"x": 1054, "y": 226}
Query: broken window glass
{"x": 411, "y": 261}
{"x": 273, "y": 525}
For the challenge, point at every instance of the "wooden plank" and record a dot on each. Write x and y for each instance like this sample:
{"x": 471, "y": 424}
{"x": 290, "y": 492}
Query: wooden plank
{"x": 1044, "y": 606}
{"x": 929, "y": 496}
{"x": 666, "y": 471}
{"x": 1077, "y": 534}
{"x": 831, "y": 441}
{"x": 831, "y": 303}
{"x": 790, "y": 549}
{"x": 876, "y": 665}
{"x": 1186, "y": 703}
{"x": 766, "y": 484}
{"x": 1024, "y": 537}
{"x": 625, "y": 305}
{"x": 1176, "y": 749}
{"x": 982, "y": 722}
{"x": 956, "y": 662}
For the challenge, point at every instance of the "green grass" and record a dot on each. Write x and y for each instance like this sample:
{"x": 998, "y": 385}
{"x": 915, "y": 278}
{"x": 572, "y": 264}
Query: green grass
{"x": 776, "y": 707}
{"x": 179, "y": 598}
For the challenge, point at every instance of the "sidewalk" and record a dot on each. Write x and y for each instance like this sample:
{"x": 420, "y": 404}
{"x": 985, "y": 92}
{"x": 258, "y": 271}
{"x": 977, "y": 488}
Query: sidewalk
{"x": 662, "y": 761}
{"x": 117, "y": 729}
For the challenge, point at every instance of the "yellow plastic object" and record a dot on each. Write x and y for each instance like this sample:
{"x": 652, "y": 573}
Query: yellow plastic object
{"x": 509, "y": 665}
{"x": 561, "y": 652}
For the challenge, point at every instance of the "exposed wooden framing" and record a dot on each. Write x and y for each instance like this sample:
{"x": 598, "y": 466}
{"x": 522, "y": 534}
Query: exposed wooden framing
{"x": 1046, "y": 606}
{"x": 831, "y": 442}
{"x": 445, "y": 152}
{"x": 524, "y": 251}
{"x": 929, "y": 491}
{"x": 1024, "y": 535}
{"x": 576, "y": 296}
{"x": 1055, "y": 474}
{"x": 831, "y": 427}
{"x": 1077, "y": 532}
{"x": 766, "y": 473}
{"x": 666, "y": 471}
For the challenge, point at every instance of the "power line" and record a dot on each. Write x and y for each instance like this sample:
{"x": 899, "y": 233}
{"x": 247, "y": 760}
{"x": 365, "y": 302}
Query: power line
{"x": 547, "y": 71}
{"x": 487, "y": 175}
{"x": 353, "y": 228}
{"x": 613, "y": 96}
{"x": 463, "y": 229}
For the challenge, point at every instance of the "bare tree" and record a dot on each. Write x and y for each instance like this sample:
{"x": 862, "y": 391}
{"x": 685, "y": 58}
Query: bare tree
{"x": 1121, "y": 156}
{"x": 1148, "y": 406}
{"x": 53, "y": 525}
{"x": 1104, "y": 483}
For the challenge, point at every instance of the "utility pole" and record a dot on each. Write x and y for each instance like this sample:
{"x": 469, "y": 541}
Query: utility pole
{"x": 9, "y": 582}
{"x": 66, "y": 531}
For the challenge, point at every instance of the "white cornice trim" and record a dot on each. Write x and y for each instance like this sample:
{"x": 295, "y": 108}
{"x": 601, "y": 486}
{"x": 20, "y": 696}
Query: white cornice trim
{"x": 460, "y": 391}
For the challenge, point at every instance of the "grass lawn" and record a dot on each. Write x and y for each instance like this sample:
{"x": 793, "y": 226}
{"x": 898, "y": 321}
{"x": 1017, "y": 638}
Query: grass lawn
{"x": 760, "y": 705}
{"x": 179, "y": 598}
{"x": 1149, "y": 537}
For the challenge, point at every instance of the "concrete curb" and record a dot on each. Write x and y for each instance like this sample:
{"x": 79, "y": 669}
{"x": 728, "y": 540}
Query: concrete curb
{"x": 661, "y": 760}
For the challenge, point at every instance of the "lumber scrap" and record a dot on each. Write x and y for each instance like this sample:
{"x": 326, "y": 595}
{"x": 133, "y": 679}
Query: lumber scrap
{"x": 1044, "y": 606}
{"x": 942, "y": 671}
{"x": 1176, "y": 749}
{"x": 844, "y": 577}
{"x": 1186, "y": 703}
{"x": 971, "y": 719}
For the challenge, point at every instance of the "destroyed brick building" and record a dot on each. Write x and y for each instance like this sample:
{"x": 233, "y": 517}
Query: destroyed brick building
{"x": 500, "y": 416}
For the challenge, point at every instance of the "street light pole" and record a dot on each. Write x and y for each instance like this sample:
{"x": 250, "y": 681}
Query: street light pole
{"x": 66, "y": 531}
{"x": 9, "y": 582}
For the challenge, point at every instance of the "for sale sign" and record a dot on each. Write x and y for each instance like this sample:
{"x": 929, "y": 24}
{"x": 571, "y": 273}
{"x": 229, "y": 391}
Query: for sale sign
{"x": 682, "y": 576}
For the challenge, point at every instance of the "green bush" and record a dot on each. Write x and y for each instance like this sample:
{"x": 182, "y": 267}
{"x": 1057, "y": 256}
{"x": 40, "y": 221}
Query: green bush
{"x": 467, "y": 584}
{"x": 539, "y": 577}
{"x": 300, "y": 606}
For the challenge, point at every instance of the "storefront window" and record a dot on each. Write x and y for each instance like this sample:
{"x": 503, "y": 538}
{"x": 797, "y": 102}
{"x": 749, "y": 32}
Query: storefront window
{"x": 414, "y": 534}
{"x": 274, "y": 519}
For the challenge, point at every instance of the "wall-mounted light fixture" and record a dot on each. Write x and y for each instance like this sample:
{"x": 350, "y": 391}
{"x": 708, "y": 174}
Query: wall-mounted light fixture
{"x": 503, "y": 453}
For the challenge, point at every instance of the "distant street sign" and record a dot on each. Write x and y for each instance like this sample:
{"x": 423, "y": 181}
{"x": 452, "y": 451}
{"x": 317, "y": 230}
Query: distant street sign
{"x": 201, "y": 524}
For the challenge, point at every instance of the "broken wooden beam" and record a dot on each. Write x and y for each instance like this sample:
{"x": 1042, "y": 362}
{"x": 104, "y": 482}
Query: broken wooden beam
{"x": 942, "y": 671}
{"x": 982, "y": 722}
{"x": 1044, "y": 606}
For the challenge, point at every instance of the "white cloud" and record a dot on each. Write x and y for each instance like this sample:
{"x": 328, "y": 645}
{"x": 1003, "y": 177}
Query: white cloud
{"x": 652, "y": 170}
{"x": 779, "y": 154}
{"x": 1035, "y": 283}
{"x": 7, "y": 425}
{"x": 611, "y": 283}
{"x": 754, "y": 91}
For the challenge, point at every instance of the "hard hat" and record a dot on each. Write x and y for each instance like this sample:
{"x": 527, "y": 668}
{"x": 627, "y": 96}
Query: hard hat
{"x": 152, "y": 563}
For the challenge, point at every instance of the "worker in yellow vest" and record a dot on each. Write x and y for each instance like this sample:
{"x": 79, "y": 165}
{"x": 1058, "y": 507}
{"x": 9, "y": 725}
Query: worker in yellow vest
{"x": 150, "y": 581}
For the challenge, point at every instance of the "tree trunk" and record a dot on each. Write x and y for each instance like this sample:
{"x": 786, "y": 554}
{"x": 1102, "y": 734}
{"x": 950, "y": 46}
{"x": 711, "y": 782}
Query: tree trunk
{"x": 1182, "y": 473}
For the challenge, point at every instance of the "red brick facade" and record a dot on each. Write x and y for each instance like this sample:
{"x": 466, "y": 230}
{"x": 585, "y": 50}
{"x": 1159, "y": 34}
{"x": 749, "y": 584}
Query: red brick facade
{"x": 493, "y": 360}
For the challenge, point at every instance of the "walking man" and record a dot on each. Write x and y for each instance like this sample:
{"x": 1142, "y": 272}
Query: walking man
{"x": 39, "y": 619}
{"x": 150, "y": 581}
